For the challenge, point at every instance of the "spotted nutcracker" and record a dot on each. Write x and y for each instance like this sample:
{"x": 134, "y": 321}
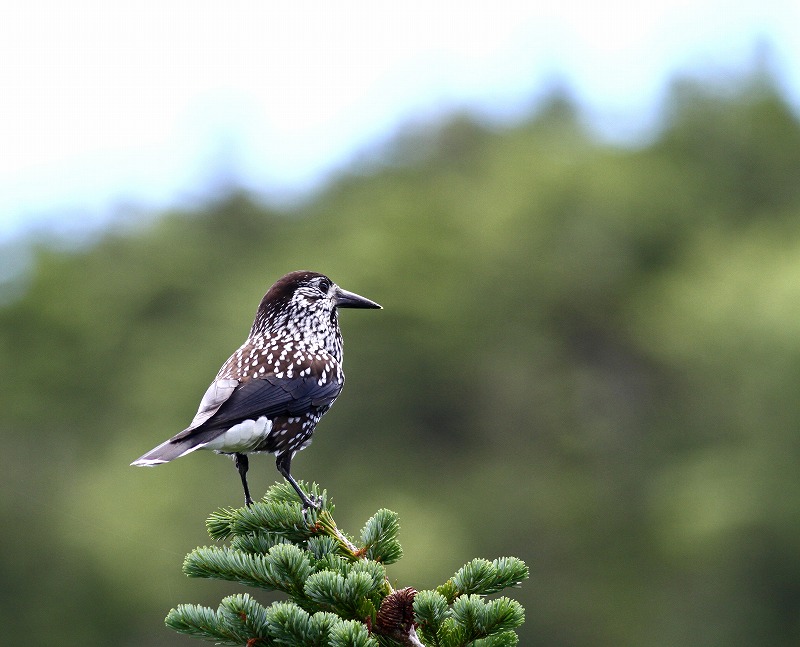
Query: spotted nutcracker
{"x": 270, "y": 394}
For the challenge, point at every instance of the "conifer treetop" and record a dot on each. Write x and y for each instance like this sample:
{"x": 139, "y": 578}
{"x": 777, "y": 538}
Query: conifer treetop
{"x": 339, "y": 593}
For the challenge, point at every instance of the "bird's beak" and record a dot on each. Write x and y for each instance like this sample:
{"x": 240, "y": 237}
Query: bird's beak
{"x": 345, "y": 299}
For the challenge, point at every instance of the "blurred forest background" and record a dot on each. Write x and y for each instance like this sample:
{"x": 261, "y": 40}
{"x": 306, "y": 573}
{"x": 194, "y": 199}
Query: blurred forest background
{"x": 588, "y": 358}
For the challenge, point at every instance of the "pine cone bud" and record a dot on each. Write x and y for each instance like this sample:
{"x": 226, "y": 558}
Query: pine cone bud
{"x": 396, "y": 616}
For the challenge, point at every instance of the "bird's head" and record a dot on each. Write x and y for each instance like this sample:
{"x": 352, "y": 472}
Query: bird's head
{"x": 307, "y": 300}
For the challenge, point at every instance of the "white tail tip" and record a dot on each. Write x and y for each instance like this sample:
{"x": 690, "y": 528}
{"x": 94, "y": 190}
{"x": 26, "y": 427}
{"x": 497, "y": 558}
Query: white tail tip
{"x": 147, "y": 462}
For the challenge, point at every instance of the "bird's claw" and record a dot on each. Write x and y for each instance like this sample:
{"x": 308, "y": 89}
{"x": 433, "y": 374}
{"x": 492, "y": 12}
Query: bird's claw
{"x": 311, "y": 502}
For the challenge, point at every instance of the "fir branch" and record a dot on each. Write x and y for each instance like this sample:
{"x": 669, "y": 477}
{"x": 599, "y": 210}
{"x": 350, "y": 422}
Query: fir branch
{"x": 351, "y": 633}
{"x": 291, "y": 625}
{"x": 472, "y": 619}
{"x": 382, "y": 528}
{"x": 322, "y": 547}
{"x": 505, "y": 639}
{"x": 502, "y": 615}
{"x": 245, "y": 618}
{"x": 278, "y": 512}
{"x": 430, "y": 611}
{"x": 218, "y": 523}
{"x": 239, "y": 620}
{"x": 379, "y": 537}
{"x": 340, "y": 593}
{"x": 284, "y": 519}
{"x": 509, "y": 571}
{"x": 348, "y": 596}
{"x": 484, "y": 577}
{"x": 326, "y": 523}
{"x": 202, "y": 622}
{"x": 285, "y": 567}
{"x": 257, "y": 542}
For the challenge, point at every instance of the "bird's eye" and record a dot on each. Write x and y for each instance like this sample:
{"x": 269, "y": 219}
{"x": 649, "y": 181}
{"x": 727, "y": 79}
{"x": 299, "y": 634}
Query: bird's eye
{"x": 324, "y": 286}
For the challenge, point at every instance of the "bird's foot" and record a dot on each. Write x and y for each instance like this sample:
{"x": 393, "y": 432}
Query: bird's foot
{"x": 311, "y": 502}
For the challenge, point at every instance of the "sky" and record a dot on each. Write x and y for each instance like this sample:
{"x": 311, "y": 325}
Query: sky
{"x": 104, "y": 105}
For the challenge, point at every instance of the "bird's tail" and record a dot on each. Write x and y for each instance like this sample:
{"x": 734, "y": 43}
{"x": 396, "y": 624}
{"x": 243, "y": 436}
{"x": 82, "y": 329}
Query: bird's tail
{"x": 167, "y": 451}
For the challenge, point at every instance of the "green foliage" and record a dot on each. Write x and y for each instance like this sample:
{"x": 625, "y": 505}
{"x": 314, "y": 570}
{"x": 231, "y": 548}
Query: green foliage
{"x": 283, "y": 568}
{"x": 483, "y": 576}
{"x": 272, "y": 517}
{"x": 431, "y": 609}
{"x": 339, "y": 592}
{"x": 238, "y": 619}
{"x": 379, "y": 537}
{"x": 469, "y": 620}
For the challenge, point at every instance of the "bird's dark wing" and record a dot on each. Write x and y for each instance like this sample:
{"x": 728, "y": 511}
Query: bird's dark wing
{"x": 272, "y": 395}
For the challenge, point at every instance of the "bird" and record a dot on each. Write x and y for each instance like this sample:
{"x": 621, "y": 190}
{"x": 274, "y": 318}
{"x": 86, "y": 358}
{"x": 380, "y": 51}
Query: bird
{"x": 270, "y": 394}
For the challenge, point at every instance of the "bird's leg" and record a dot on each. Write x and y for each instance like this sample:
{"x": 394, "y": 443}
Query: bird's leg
{"x": 283, "y": 463}
{"x": 242, "y": 464}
